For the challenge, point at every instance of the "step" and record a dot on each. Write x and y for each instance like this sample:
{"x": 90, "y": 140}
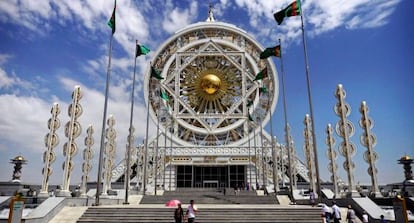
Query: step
{"x": 211, "y": 215}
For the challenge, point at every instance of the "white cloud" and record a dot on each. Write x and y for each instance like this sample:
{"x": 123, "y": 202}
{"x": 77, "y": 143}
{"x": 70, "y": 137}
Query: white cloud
{"x": 326, "y": 15}
{"x": 4, "y": 58}
{"x": 5, "y": 81}
{"x": 27, "y": 13}
{"x": 179, "y": 18}
{"x": 24, "y": 117}
{"x": 90, "y": 14}
{"x": 257, "y": 6}
{"x": 374, "y": 14}
{"x": 8, "y": 82}
{"x": 42, "y": 8}
{"x": 321, "y": 16}
{"x": 93, "y": 67}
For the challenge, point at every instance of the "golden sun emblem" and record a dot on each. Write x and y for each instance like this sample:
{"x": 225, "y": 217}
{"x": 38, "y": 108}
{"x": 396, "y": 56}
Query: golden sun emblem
{"x": 210, "y": 83}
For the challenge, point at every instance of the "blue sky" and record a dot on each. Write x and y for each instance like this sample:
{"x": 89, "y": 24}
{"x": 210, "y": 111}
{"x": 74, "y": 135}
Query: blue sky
{"x": 47, "y": 47}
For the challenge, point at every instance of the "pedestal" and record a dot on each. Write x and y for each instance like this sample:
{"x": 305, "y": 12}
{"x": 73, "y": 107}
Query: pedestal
{"x": 63, "y": 193}
{"x": 43, "y": 194}
{"x": 353, "y": 193}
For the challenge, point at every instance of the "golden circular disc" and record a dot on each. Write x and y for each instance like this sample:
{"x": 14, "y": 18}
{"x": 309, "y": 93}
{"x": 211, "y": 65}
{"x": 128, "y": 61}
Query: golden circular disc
{"x": 210, "y": 83}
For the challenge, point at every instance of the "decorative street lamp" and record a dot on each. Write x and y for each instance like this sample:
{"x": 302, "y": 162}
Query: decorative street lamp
{"x": 406, "y": 161}
{"x": 400, "y": 206}
{"x": 18, "y": 161}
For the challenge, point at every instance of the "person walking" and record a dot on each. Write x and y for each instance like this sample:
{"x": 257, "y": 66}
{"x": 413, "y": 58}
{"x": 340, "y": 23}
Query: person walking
{"x": 326, "y": 213}
{"x": 336, "y": 213}
{"x": 350, "y": 215}
{"x": 191, "y": 212}
{"x": 312, "y": 197}
{"x": 179, "y": 214}
{"x": 364, "y": 217}
{"x": 382, "y": 219}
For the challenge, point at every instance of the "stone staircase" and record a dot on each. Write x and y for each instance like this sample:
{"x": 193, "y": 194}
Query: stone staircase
{"x": 217, "y": 214}
{"x": 213, "y": 205}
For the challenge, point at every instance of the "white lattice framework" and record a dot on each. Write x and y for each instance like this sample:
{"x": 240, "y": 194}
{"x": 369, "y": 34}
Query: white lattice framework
{"x": 203, "y": 128}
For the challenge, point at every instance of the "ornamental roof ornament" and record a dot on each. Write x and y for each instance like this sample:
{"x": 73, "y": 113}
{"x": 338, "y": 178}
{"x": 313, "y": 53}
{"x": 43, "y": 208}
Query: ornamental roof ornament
{"x": 210, "y": 14}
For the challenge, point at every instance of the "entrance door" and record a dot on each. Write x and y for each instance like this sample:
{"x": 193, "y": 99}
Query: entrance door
{"x": 210, "y": 184}
{"x": 211, "y": 176}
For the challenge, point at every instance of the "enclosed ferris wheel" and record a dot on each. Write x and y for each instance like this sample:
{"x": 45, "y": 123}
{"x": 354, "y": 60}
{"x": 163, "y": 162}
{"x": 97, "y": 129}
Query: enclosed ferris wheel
{"x": 209, "y": 70}
{"x": 210, "y": 110}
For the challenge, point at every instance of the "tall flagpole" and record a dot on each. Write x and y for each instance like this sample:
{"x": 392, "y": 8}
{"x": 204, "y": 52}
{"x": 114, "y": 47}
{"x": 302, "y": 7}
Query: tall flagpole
{"x": 101, "y": 150}
{"x": 255, "y": 155}
{"x": 275, "y": 174}
{"x": 155, "y": 162}
{"x": 146, "y": 146}
{"x": 264, "y": 170}
{"x": 287, "y": 136}
{"x": 131, "y": 132}
{"x": 165, "y": 156}
{"x": 318, "y": 183}
{"x": 171, "y": 145}
{"x": 250, "y": 158}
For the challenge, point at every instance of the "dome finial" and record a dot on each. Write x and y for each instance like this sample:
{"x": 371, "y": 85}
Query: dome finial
{"x": 210, "y": 13}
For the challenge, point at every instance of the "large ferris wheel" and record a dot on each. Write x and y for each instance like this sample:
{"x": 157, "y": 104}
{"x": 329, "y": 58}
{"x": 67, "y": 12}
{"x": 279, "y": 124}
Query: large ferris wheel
{"x": 210, "y": 108}
{"x": 209, "y": 70}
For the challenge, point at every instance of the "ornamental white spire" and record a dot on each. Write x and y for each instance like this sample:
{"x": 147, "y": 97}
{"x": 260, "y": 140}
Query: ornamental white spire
{"x": 210, "y": 14}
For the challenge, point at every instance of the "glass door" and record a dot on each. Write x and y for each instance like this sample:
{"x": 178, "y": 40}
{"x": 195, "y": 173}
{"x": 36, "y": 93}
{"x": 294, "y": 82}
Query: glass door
{"x": 210, "y": 184}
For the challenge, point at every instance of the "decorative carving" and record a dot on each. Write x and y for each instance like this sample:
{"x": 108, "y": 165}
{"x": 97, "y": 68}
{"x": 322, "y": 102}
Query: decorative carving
{"x": 110, "y": 147}
{"x": 210, "y": 159}
{"x": 332, "y": 156}
{"x": 308, "y": 147}
{"x": 345, "y": 129}
{"x": 369, "y": 140}
{"x": 294, "y": 163}
{"x": 51, "y": 141}
{"x": 72, "y": 131}
{"x": 87, "y": 157}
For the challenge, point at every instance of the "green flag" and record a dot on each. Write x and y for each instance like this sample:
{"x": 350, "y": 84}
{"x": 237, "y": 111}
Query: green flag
{"x": 156, "y": 73}
{"x": 165, "y": 99}
{"x": 270, "y": 51}
{"x": 164, "y": 95}
{"x": 111, "y": 22}
{"x": 262, "y": 74}
{"x": 292, "y": 10}
{"x": 141, "y": 50}
{"x": 262, "y": 90}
